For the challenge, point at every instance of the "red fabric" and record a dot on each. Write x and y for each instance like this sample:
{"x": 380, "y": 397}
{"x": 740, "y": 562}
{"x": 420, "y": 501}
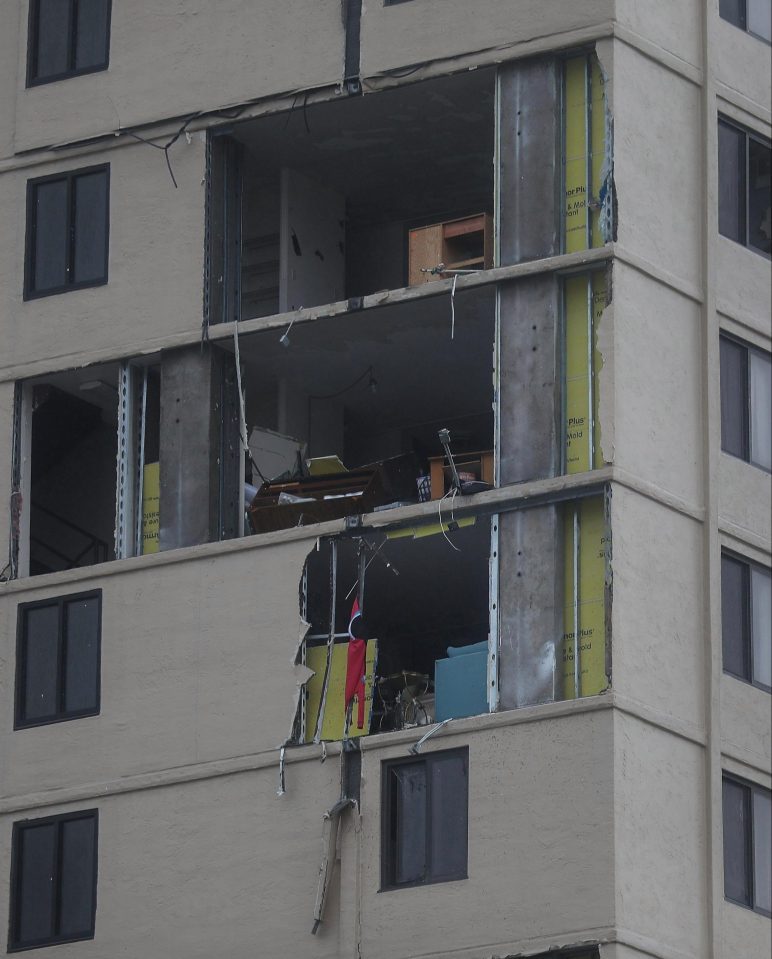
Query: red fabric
{"x": 355, "y": 669}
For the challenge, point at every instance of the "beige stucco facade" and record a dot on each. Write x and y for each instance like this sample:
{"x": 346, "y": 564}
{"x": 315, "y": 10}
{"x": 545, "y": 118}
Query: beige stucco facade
{"x": 593, "y": 822}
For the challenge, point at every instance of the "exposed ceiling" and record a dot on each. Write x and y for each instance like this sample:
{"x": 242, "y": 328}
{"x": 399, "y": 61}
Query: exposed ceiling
{"x": 418, "y": 150}
{"x": 422, "y": 374}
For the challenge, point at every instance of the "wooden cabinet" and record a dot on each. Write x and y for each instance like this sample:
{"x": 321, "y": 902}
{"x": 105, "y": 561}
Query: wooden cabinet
{"x": 470, "y": 466}
{"x": 465, "y": 244}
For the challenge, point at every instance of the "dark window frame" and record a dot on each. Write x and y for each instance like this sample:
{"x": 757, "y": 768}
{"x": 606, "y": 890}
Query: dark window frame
{"x": 749, "y": 837}
{"x": 14, "y": 945}
{"x": 33, "y": 80}
{"x": 747, "y": 613}
{"x": 388, "y": 814}
{"x": 759, "y": 138}
{"x": 61, "y": 715}
{"x": 742, "y": 21}
{"x": 745, "y": 439}
{"x": 30, "y": 293}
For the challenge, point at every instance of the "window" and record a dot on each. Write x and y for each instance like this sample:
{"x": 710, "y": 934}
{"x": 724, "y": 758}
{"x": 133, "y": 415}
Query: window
{"x": 744, "y": 211}
{"x": 747, "y": 841}
{"x": 57, "y": 659}
{"x": 67, "y": 231}
{"x": 746, "y": 620}
{"x": 66, "y": 38}
{"x": 755, "y": 16}
{"x": 424, "y": 819}
{"x": 746, "y": 402}
{"x": 53, "y": 880}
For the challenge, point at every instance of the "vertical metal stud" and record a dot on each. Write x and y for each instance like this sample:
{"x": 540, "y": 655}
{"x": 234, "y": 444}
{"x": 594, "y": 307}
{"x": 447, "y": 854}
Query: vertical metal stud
{"x": 139, "y": 478}
{"x": 493, "y": 617}
{"x": 588, "y": 147}
{"x": 124, "y": 472}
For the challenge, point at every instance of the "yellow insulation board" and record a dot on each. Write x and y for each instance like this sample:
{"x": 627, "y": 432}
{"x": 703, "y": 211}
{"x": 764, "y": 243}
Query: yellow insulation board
{"x": 584, "y": 104}
{"x": 334, "y": 712}
{"x": 585, "y": 300}
{"x": 151, "y": 492}
{"x": 590, "y": 606}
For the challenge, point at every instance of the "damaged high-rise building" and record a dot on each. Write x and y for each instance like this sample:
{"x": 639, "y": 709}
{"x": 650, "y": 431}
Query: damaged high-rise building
{"x": 385, "y": 475}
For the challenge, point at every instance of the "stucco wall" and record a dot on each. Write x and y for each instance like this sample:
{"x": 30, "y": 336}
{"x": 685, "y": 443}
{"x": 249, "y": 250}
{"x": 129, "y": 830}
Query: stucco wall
{"x": 411, "y": 33}
{"x": 178, "y": 46}
{"x": 197, "y": 665}
{"x": 660, "y": 843}
{"x": 658, "y": 399}
{"x": 658, "y": 631}
{"x": 155, "y": 269}
{"x": 656, "y": 140}
{"x": 225, "y": 867}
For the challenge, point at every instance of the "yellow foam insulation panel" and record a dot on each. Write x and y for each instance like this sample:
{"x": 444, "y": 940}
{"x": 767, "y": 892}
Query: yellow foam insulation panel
{"x": 586, "y": 540}
{"x": 333, "y": 723}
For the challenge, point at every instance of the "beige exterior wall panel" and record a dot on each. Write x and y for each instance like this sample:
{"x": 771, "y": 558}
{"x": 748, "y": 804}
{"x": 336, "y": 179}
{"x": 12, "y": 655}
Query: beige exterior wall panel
{"x": 658, "y": 641}
{"x": 656, "y": 138}
{"x": 197, "y": 665}
{"x": 178, "y": 48}
{"x": 155, "y": 269}
{"x": 412, "y": 33}
{"x": 660, "y": 842}
{"x": 657, "y": 634}
{"x": 743, "y": 285}
{"x": 742, "y": 63}
{"x": 657, "y": 428}
{"x": 222, "y": 867}
{"x": 743, "y": 932}
{"x": 745, "y": 727}
{"x": 540, "y": 845}
{"x": 9, "y": 57}
{"x": 672, "y": 26}
{"x": 744, "y": 506}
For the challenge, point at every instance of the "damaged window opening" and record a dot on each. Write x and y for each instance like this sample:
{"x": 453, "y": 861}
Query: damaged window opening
{"x": 89, "y": 493}
{"x": 345, "y": 419}
{"x": 414, "y": 606}
{"x": 317, "y": 205}
{"x": 445, "y": 622}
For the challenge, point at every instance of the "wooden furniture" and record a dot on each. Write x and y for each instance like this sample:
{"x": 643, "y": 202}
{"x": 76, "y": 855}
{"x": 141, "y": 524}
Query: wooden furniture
{"x": 480, "y": 465}
{"x": 334, "y": 495}
{"x": 465, "y": 244}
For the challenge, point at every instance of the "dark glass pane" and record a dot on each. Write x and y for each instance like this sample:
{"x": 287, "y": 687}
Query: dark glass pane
{"x": 81, "y": 679}
{"x": 53, "y": 38}
{"x": 50, "y": 226}
{"x": 736, "y": 842}
{"x": 91, "y": 36}
{"x": 762, "y": 849}
{"x": 731, "y": 182}
{"x": 734, "y": 617}
{"x": 409, "y": 792}
{"x": 77, "y": 877}
{"x": 40, "y": 652}
{"x": 35, "y": 884}
{"x": 90, "y": 227}
{"x": 759, "y": 196}
{"x": 733, "y": 11}
{"x": 449, "y": 817}
{"x": 734, "y": 398}
{"x": 760, "y": 18}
